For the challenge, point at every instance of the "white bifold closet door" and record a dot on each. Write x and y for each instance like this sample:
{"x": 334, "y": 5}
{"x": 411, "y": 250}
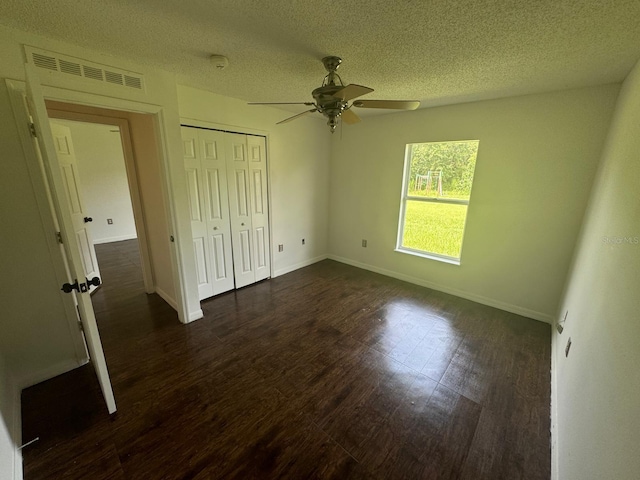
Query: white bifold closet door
{"x": 204, "y": 160}
{"x": 247, "y": 173}
{"x": 226, "y": 179}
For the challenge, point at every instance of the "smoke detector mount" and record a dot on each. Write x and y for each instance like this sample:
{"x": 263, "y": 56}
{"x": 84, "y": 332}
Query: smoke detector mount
{"x": 219, "y": 61}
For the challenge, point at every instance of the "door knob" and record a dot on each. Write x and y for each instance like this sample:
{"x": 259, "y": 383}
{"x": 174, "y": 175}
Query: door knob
{"x": 215, "y": 228}
{"x": 242, "y": 224}
{"x": 88, "y": 219}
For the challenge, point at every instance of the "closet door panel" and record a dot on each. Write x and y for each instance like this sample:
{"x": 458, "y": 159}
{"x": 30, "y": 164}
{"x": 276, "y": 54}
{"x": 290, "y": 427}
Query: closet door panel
{"x": 195, "y": 188}
{"x": 259, "y": 212}
{"x": 239, "y": 203}
{"x": 216, "y": 201}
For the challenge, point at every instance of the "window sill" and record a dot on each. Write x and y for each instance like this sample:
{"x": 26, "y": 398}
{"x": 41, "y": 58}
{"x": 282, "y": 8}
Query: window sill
{"x": 430, "y": 256}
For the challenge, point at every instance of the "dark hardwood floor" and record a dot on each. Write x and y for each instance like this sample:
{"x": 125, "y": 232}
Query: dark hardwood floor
{"x": 326, "y": 372}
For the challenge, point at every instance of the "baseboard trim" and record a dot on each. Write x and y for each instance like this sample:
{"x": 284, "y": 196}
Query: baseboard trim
{"x": 114, "y": 239}
{"x": 306, "y": 263}
{"x": 197, "y": 315}
{"x": 525, "y": 312}
{"x": 49, "y": 372}
{"x": 165, "y": 296}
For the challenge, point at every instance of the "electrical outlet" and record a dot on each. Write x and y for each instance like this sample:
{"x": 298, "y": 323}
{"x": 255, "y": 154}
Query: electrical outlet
{"x": 109, "y": 221}
{"x": 303, "y": 241}
{"x": 280, "y": 247}
{"x": 566, "y": 349}
{"x": 364, "y": 243}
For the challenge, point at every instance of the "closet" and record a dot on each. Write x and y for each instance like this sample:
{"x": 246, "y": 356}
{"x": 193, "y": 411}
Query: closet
{"x": 227, "y": 186}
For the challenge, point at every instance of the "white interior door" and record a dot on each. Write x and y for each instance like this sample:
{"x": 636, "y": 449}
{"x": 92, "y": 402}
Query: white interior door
{"x": 239, "y": 184}
{"x": 61, "y": 204}
{"x": 204, "y": 161}
{"x": 81, "y": 219}
{"x": 257, "y": 153}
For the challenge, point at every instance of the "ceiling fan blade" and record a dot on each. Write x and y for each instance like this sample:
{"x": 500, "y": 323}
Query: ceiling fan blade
{"x": 349, "y": 117}
{"x": 352, "y": 91}
{"x": 392, "y": 104}
{"x": 295, "y": 116}
{"x": 281, "y": 103}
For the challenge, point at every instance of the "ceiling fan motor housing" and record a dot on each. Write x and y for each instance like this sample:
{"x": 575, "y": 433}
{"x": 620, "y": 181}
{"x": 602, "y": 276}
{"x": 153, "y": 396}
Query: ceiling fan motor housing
{"x": 325, "y": 100}
{"x": 328, "y": 105}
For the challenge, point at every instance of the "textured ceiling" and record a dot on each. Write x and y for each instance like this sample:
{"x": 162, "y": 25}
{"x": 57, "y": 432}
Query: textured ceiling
{"x": 439, "y": 51}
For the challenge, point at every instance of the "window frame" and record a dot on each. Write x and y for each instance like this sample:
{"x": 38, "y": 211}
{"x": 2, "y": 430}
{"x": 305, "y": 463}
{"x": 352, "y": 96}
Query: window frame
{"x": 403, "y": 207}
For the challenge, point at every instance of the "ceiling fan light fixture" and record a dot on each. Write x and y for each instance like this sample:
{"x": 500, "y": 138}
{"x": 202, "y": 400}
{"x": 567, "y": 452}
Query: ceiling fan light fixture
{"x": 333, "y": 123}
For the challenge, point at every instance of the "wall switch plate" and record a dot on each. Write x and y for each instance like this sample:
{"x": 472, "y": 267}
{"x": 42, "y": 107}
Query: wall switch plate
{"x": 303, "y": 241}
{"x": 280, "y": 247}
{"x": 566, "y": 349}
{"x": 364, "y": 243}
{"x": 109, "y": 221}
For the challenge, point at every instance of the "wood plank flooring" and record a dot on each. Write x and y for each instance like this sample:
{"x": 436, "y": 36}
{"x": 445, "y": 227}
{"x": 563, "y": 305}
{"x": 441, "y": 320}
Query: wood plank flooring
{"x": 327, "y": 372}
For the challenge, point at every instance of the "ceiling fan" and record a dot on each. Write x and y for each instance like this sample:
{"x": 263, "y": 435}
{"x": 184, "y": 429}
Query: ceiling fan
{"x": 333, "y": 97}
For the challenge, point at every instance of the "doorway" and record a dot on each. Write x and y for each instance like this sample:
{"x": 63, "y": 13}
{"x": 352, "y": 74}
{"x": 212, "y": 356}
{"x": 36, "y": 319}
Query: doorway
{"x": 92, "y": 158}
{"x": 147, "y": 219}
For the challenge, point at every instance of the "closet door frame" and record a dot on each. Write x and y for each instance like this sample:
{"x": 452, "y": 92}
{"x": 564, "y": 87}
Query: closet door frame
{"x": 192, "y": 122}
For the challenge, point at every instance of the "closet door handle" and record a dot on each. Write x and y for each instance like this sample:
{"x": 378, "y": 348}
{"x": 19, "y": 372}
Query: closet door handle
{"x": 215, "y": 228}
{"x": 242, "y": 224}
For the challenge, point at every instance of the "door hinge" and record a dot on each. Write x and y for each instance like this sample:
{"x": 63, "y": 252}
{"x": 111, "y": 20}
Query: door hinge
{"x": 59, "y": 237}
{"x": 32, "y": 129}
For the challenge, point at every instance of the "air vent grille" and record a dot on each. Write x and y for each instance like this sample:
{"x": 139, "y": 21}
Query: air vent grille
{"x": 133, "y": 82}
{"x": 113, "y": 77}
{"x": 44, "y": 61}
{"x": 92, "y": 72}
{"x": 70, "y": 68}
{"x": 83, "y": 68}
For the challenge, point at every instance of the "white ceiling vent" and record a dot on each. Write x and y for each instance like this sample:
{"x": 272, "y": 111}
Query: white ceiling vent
{"x": 83, "y": 68}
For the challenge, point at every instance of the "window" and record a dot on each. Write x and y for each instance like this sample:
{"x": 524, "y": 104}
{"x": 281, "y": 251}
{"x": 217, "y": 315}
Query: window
{"x": 435, "y": 198}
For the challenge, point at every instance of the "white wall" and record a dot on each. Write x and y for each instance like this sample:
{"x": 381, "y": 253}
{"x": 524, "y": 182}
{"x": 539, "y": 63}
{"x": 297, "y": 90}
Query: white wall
{"x": 103, "y": 180}
{"x": 298, "y": 156}
{"x": 535, "y": 166}
{"x": 596, "y": 390}
{"x": 148, "y": 166}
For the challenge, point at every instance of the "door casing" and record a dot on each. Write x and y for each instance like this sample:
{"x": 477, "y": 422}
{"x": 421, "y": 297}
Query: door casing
{"x": 185, "y": 314}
